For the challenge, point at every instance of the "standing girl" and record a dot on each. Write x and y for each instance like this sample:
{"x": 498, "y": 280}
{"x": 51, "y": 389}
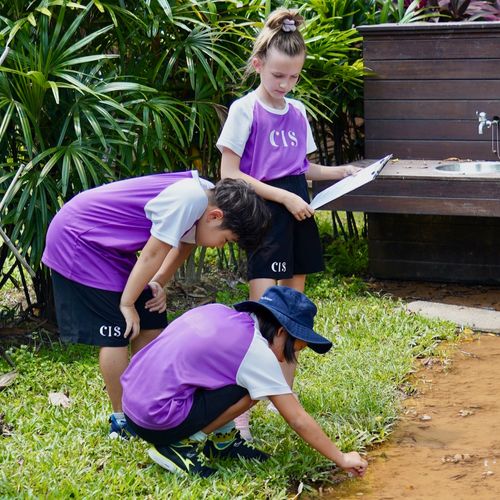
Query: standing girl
{"x": 265, "y": 141}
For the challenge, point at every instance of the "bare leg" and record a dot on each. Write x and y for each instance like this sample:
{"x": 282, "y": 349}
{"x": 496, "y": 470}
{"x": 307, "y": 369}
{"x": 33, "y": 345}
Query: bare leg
{"x": 143, "y": 339}
{"x": 259, "y": 286}
{"x": 244, "y": 404}
{"x": 112, "y": 362}
{"x": 298, "y": 283}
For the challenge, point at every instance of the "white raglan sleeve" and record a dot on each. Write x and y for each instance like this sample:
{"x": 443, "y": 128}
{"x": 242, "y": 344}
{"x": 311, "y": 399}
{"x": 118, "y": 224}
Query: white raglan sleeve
{"x": 175, "y": 210}
{"x": 237, "y": 127}
{"x": 260, "y": 372}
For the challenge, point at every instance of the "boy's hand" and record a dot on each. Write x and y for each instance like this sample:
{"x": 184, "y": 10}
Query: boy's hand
{"x": 299, "y": 208}
{"x": 159, "y": 301}
{"x": 353, "y": 463}
{"x": 132, "y": 320}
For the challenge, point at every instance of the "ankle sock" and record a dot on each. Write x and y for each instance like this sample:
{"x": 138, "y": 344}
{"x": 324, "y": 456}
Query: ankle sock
{"x": 119, "y": 416}
{"x": 225, "y": 429}
{"x": 199, "y": 437}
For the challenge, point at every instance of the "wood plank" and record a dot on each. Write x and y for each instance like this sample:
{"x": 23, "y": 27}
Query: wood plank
{"x": 429, "y": 89}
{"x": 453, "y": 69}
{"x": 435, "y": 109}
{"x": 421, "y": 129}
{"x": 459, "y": 47}
{"x": 414, "y": 187}
{"x": 427, "y": 206}
{"x": 426, "y": 29}
{"x": 431, "y": 150}
{"x": 482, "y": 232}
{"x": 434, "y": 252}
{"x": 431, "y": 271}
{"x": 434, "y": 247}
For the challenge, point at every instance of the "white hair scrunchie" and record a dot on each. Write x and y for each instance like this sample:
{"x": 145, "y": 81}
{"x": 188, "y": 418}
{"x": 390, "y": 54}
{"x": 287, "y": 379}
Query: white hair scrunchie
{"x": 288, "y": 25}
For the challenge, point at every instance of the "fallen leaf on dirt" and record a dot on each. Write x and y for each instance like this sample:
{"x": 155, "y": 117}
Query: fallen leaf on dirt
{"x": 425, "y": 417}
{"x": 488, "y": 473}
{"x": 465, "y": 413}
{"x": 59, "y": 399}
{"x": 458, "y": 457}
{"x": 7, "y": 379}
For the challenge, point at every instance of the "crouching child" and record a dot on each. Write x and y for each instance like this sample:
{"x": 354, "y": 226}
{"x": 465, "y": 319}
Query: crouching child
{"x": 182, "y": 392}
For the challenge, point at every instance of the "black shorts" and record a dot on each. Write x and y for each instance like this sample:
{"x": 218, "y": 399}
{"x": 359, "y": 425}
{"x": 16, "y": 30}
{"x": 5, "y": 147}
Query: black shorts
{"x": 207, "y": 406}
{"x": 87, "y": 315}
{"x": 290, "y": 247}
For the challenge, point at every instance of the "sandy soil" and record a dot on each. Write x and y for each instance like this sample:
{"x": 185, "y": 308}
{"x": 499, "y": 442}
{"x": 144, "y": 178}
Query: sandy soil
{"x": 447, "y": 443}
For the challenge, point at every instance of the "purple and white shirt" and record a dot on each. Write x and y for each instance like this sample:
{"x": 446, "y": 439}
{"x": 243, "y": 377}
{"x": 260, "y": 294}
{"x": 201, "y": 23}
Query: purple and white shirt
{"x": 272, "y": 143}
{"x": 94, "y": 238}
{"x": 208, "y": 347}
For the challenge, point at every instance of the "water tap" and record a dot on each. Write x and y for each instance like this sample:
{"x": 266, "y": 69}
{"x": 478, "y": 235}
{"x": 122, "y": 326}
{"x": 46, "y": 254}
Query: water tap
{"x": 481, "y": 116}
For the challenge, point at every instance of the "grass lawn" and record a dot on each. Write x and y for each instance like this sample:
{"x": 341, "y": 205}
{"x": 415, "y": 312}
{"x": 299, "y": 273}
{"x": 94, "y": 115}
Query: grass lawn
{"x": 353, "y": 391}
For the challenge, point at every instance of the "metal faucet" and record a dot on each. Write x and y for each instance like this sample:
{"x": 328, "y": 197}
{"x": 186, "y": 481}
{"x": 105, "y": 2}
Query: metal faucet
{"x": 481, "y": 116}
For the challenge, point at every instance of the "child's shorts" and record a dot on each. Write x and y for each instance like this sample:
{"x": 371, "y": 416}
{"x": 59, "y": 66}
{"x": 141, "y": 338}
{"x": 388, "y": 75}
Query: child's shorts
{"x": 291, "y": 247}
{"x": 207, "y": 406}
{"x": 87, "y": 315}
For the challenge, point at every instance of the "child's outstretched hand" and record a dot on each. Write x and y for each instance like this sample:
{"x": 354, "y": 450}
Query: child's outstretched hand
{"x": 132, "y": 320}
{"x": 353, "y": 463}
{"x": 158, "y": 303}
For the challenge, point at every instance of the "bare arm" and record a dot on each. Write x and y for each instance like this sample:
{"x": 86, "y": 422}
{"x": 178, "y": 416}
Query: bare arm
{"x": 151, "y": 258}
{"x": 230, "y": 167}
{"x": 307, "y": 428}
{"x": 321, "y": 173}
{"x": 172, "y": 262}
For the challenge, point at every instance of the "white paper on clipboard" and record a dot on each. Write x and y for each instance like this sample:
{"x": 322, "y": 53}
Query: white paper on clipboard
{"x": 349, "y": 183}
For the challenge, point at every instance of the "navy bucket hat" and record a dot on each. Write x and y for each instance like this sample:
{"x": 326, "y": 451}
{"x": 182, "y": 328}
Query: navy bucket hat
{"x": 294, "y": 311}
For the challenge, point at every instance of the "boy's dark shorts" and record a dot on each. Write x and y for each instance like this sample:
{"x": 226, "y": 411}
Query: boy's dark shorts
{"x": 290, "y": 247}
{"x": 207, "y": 406}
{"x": 87, "y": 315}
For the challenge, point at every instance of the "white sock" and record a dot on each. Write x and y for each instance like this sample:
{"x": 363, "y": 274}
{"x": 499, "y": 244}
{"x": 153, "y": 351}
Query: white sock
{"x": 225, "y": 428}
{"x": 199, "y": 436}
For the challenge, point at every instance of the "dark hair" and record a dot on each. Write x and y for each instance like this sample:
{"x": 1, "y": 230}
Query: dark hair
{"x": 273, "y": 35}
{"x": 268, "y": 326}
{"x": 245, "y": 212}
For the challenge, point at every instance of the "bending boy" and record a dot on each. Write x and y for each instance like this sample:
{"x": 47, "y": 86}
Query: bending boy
{"x": 212, "y": 364}
{"x": 104, "y": 294}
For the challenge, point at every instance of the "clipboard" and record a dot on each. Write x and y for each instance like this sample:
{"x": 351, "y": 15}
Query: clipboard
{"x": 349, "y": 183}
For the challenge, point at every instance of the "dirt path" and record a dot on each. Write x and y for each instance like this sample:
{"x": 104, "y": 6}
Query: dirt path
{"x": 447, "y": 444}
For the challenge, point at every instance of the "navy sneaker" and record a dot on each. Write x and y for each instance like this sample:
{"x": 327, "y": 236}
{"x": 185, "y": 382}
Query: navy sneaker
{"x": 180, "y": 458}
{"x": 232, "y": 445}
{"x": 120, "y": 429}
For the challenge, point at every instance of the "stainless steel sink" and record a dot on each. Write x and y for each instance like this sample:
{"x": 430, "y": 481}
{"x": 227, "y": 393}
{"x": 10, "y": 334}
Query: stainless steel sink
{"x": 471, "y": 167}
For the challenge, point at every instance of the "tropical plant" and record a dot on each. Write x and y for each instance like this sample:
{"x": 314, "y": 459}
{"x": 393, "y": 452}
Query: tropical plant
{"x": 70, "y": 116}
{"x": 462, "y": 10}
{"x": 95, "y": 92}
